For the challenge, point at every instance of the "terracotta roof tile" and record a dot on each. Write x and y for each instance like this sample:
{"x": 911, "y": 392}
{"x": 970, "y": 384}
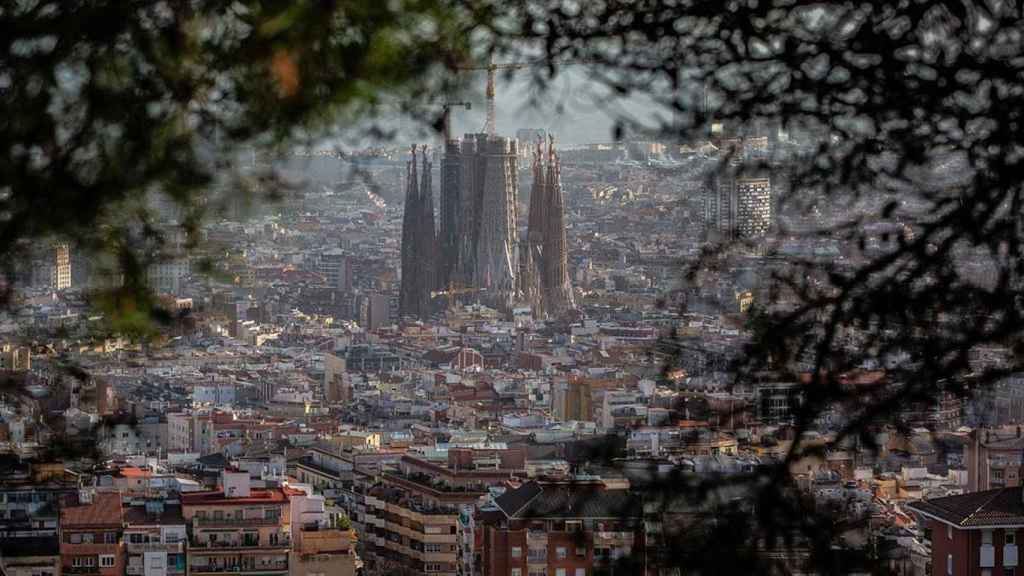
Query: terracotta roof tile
{"x": 1002, "y": 506}
{"x": 104, "y": 510}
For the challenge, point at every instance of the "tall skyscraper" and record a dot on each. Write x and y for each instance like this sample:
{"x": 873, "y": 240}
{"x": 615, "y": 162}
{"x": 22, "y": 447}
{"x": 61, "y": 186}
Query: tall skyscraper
{"x": 419, "y": 241}
{"x": 739, "y": 206}
{"x": 545, "y": 282}
{"x": 753, "y": 206}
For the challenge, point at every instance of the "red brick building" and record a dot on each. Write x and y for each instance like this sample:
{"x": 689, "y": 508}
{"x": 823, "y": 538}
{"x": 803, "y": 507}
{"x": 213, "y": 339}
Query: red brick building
{"x": 90, "y": 535}
{"x": 974, "y": 534}
{"x": 560, "y": 529}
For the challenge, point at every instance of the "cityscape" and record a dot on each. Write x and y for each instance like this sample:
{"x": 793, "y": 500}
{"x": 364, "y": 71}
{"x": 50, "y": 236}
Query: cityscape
{"x": 740, "y": 343}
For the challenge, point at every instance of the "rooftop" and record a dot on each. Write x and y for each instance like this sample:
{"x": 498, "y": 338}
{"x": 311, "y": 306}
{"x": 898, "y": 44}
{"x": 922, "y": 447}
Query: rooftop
{"x": 104, "y": 510}
{"x": 999, "y": 507}
{"x": 217, "y": 498}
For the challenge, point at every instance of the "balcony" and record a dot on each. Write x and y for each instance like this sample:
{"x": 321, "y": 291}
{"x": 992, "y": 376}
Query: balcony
{"x": 260, "y": 568}
{"x": 228, "y": 545}
{"x": 987, "y": 556}
{"x": 169, "y": 547}
{"x": 240, "y": 522}
{"x": 81, "y": 570}
{"x": 1010, "y": 556}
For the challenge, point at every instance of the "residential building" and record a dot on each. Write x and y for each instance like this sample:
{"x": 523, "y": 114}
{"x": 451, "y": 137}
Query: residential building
{"x": 319, "y": 544}
{"x": 190, "y": 433}
{"x": 155, "y": 538}
{"x": 337, "y": 387}
{"x": 573, "y": 400}
{"x": 415, "y": 518}
{"x": 91, "y": 534}
{"x": 974, "y": 534}
{"x": 15, "y": 358}
{"x": 993, "y": 460}
{"x": 30, "y": 556}
{"x": 238, "y": 528}
{"x": 559, "y": 529}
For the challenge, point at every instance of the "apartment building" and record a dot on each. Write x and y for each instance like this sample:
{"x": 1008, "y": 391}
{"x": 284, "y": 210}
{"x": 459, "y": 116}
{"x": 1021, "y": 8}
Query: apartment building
{"x": 319, "y": 544}
{"x": 974, "y": 534}
{"x": 30, "y": 497}
{"x": 238, "y": 528}
{"x": 559, "y": 529}
{"x": 91, "y": 534}
{"x": 30, "y": 556}
{"x": 415, "y": 520}
{"x": 155, "y": 537}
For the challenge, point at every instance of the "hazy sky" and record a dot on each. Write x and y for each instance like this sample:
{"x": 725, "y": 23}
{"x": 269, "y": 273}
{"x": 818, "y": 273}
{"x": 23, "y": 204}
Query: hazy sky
{"x": 579, "y": 121}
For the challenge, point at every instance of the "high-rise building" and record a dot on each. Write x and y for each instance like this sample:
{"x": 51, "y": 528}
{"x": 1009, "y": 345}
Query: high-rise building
{"x": 419, "y": 241}
{"x": 753, "y": 206}
{"x": 374, "y": 311}
{"x": 739, "y": 206}
{"x": 49, "y": 267}
{"x": 336, "y": 267}
{"x": 545, "y": 274}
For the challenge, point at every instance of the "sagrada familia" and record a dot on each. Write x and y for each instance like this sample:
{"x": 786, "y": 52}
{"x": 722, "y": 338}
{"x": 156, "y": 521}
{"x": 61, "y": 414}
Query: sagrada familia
{"x": 476, "y": 251}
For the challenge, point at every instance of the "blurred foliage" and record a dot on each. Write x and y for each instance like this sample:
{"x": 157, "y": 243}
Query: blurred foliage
{"x": 912, "y": 109}
{"x": 110, "y": 109}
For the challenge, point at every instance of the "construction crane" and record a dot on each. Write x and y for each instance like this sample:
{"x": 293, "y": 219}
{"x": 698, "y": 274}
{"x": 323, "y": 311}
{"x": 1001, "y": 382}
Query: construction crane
{"x": 490, "y": 125}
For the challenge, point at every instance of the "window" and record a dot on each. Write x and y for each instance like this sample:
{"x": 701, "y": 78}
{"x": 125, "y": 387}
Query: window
{"x": 517, "y": 572}
{"x": 581, "y": 551}
{"x": 87, "y": 538}
{"x": 75, "y": 539}
{"x": 76, "y": 561}
{"x": 986, "y": 537}
{"x": 135, "y": 538}
{"x": 218, "y": 514}
{"x": 949, "y": 565}
{"x": 431, "y": 547}
{"x": 517, "y": 552}
{"x": 110, "y": 537}
{"x": 106, "y": 561}
{"x": 581, "y": 572}
{"x": 560, "y": 553}
{"x": 560, "y": 572}
{"x": 1009, "y": 537}
{"x": 1009, "y": 572}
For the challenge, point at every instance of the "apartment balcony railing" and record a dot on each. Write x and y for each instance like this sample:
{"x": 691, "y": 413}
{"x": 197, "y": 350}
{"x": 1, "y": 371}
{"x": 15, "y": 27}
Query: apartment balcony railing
{"x": 143, "y": 547}
{"x": 233, "y": 545}
{"x": 260, "y": 568}
{"x": 240, "y": 522}
{"x": 81, "y": 570}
